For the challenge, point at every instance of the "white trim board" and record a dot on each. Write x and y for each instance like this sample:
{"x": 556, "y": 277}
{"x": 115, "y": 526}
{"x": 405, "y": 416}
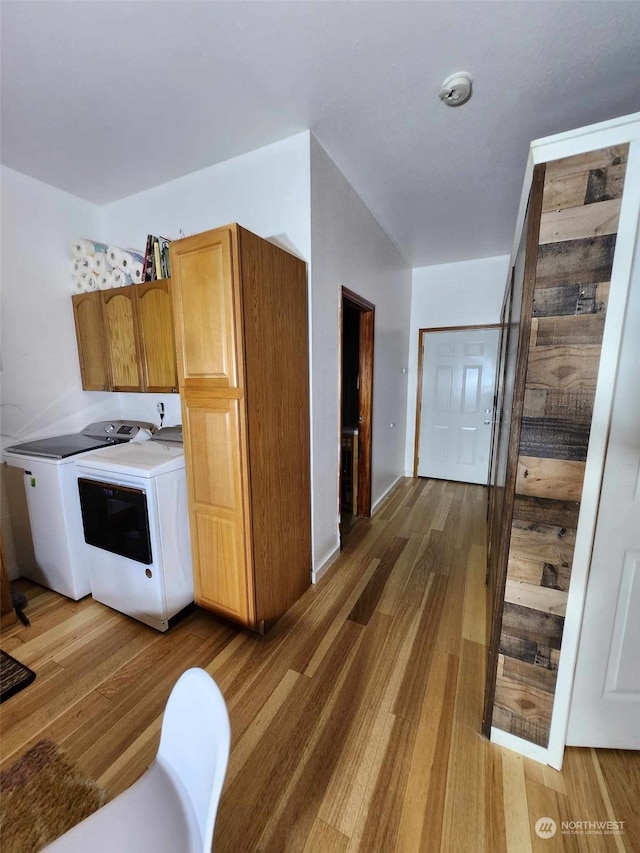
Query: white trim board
{"x": 316, "y": 574}
{"x": 616, "y": 131}
{"x": 380, "y": 500}
{"x": 518, "y": 744}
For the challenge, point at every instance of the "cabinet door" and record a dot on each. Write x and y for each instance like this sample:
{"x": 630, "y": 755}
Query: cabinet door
{"x": 90, "y": 336}
{"x": 157, "y": 343}
{"x": 219, "y": 529}
{"x": 205, "y": 311}
{"x": 120, "y": 308}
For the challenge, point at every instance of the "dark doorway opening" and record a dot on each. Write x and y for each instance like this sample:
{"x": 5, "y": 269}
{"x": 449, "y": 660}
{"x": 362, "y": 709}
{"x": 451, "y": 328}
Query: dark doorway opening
{"x": 356, "y": 406}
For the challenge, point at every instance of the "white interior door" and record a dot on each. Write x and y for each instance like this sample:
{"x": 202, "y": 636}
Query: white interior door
{"x": 456, "y": 413}
{"x": 605, "y": 704}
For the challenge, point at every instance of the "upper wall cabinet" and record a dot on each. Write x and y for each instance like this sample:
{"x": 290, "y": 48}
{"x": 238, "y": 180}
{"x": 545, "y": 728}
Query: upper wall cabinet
{"x": 125, "y": 338}
{"x": 90, "y": 335}
{"x": 123, "y": 345}
{"x": 157, "y": 339}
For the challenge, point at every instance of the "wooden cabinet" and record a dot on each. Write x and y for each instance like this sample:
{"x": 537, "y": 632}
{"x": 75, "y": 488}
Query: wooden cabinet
{"x": 90, "y": 336}
{"x": 123, "y": 343}
{"x": 240, "y": 308}
{"x": 125, "y": 338}
{"x": 157, "y": 340}
{"x": 7, "y": 612}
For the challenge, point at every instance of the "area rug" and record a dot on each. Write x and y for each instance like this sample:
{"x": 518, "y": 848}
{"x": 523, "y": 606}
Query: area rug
{"x": 14, "y": 676}
{"x": 43, "y": 795}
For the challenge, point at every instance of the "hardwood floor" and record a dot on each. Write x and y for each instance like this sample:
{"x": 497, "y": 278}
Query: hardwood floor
{"x": 355, "y": 721}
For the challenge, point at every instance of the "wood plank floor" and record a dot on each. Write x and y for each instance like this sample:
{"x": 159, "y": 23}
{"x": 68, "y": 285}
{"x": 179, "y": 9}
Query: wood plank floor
{"x": 355, "y": 721}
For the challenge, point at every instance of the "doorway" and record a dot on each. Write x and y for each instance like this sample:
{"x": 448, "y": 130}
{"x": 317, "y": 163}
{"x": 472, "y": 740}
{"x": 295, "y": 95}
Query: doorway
{"x": 357, "y": 320}
{"x": 455, "y": 405}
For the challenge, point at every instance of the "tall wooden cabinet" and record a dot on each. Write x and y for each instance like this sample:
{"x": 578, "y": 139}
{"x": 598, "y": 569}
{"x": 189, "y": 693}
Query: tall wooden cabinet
{"x": 240, "y": 308}
{"x": 125, "y": 338}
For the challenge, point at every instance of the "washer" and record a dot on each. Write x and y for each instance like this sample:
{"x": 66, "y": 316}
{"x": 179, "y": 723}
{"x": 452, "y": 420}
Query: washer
{"x": 134, "y": 514}
{"x": 52, "y": 499}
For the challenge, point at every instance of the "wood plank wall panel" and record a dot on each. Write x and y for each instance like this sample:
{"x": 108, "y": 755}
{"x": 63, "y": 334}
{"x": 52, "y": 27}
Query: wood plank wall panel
{"x": 580, "y": 210}
{"x": 507, "y": 426}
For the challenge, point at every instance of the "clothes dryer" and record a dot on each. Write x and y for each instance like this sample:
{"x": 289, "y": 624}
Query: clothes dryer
{"x": 134, "y": 515}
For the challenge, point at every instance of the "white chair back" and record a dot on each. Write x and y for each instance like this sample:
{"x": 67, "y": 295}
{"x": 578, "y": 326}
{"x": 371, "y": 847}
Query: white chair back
{"x": 195, "y": 743}
{"x": 173, "y": 806}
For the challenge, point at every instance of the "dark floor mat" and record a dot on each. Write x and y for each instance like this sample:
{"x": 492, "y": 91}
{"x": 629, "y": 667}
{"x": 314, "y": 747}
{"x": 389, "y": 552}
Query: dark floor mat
{"x": 14, "y": 676}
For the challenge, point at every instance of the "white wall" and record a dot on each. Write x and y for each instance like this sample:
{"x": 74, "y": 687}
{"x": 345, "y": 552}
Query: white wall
{"x": 350, "y": 249}
{"x": 41, "y": 388}
{"x": 40, "y": 391}
{"x": 468, "y": 293}
{"x": 266, "y": 191}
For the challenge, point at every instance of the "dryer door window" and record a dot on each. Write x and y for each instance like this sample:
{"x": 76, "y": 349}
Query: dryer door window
{"x": 115, "y": 518}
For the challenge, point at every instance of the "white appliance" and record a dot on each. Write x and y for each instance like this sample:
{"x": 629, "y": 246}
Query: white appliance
{"x": 52, "y": 499}
{"x": 134, "y": 515}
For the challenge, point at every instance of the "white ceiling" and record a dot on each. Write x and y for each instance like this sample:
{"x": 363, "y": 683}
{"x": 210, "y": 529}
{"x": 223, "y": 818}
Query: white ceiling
{"x": 104, "y": 99}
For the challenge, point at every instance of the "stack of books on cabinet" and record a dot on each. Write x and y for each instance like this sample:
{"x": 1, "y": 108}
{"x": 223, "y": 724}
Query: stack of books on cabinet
{"x": 156, "y": 259}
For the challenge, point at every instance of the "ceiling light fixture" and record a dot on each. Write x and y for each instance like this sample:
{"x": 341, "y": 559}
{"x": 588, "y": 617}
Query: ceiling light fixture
{"x": 456, "y": 89}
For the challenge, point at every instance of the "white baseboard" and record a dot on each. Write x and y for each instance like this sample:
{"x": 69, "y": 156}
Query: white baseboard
{"x": 518, "y": 744}
{"x": 386, "y": 494}
{"x": 316, "y": 574}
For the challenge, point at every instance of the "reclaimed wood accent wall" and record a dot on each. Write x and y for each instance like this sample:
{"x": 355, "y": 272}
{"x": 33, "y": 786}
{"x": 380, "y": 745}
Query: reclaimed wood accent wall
{"x": 579, "y": 220}
{"x": 506, "y": 428}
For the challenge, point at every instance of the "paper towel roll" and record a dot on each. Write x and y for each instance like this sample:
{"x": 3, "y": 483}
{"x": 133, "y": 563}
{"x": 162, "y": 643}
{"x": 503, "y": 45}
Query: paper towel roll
{"x": 82, "y": 266}
{"x": 120, "y": 278}
{"x": 105, "y": 280}
{"x": 101, "y": 263}
{"x": 113, "y": 256}
{"x": 136, "y": 272}
{"x": 79, "y": 284}
{"x": 81, "y": 248}
{"x": 129, "y": 257}
{"x": 91, "y": 282}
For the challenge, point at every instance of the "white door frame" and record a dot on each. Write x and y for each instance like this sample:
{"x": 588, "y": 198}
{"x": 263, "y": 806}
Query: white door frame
{"x": 421, "y": 333}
